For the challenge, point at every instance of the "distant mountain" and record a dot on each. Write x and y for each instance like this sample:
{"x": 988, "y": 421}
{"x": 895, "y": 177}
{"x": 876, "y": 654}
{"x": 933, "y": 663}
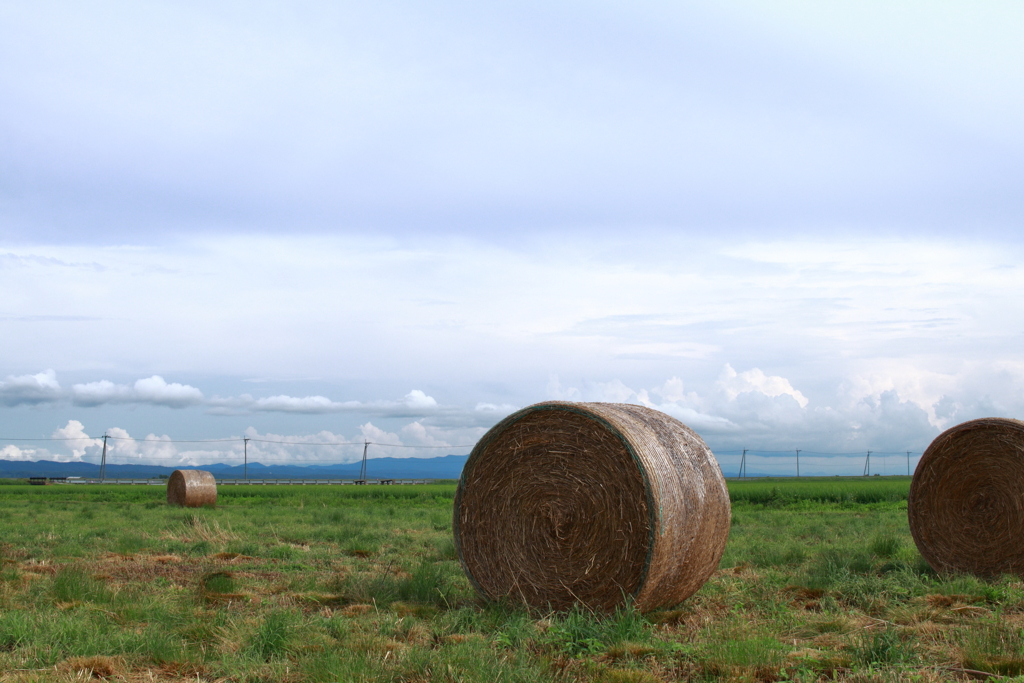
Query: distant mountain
{"x": 445, "y": 467}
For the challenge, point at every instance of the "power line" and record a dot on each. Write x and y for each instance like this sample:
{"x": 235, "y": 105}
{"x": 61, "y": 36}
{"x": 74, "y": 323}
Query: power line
{"x": 271, "y": 458}
{"x": 352, "y": 443}
{"x": 237, "y": 440}
{"x": 73, "y": 438}
{"x": 311, "y": 443}
{"x": 806, "y": 452}
{"x": 241, "y": 439}
{"x": 132, "y": 438}
{"x": 122, "y": 438}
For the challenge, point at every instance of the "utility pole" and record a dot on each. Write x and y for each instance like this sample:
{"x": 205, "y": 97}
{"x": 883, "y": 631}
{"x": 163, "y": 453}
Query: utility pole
{"x": 103, "y": 460}
{"x": 908, "y": 463}
{"x": 362, "y": 470}
{"x": 798, "y": 462}
{"x": 743, "y": 464}
{"x": 245, "y": 451}
{"x": 867, "y": 464}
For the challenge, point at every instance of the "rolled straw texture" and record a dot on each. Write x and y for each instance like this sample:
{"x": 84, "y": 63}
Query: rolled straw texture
{"x": 191, "y": 488}
{"x": 966, "y": 505}
{"x": 590, "y": 503}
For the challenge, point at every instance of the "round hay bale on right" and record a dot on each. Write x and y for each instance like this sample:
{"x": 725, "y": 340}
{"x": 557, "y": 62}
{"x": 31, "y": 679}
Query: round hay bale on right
{"x": 597, "y": 504}
{"x": 191, "y": 488}
{"x": 966, "y": 504}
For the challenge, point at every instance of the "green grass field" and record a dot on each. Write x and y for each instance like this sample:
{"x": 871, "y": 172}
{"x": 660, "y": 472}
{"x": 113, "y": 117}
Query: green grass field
{"x": 820, "y": 581}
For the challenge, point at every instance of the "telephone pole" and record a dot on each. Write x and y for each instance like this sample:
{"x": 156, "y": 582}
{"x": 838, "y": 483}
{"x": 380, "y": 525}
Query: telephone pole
{"x": 908, "y": 463}
{"x": 362, "y": 470}
{"x": 245, "y": 451}
{"x": 743, "y": 464}
{"x": 867, "y": 464}
{"x": 798, "y": 462}
{"x": 103, "y": 460}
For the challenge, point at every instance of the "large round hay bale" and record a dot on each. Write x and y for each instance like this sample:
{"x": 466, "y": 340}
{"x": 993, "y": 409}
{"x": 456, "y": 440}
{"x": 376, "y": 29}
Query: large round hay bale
{"x": 590, "y": 503}
{"x": 191, "y": 488}
{"x": 966, "y": 505}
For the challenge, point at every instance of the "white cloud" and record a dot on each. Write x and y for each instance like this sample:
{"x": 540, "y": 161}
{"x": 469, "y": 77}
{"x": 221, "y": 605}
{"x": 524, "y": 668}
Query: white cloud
{"x": 30, "y": 389}
{"x": 120, "y": 444}
{"x": 157, "y": 447}
{"x": 292, "y": 404}
{"x": 152, "y": 390}
{"x": 417, "y": 399}
{"x": 683, "y": 407}
{"x": 158, "y": 392}
{"x": 755, "y": 380}
{"x": 122, "y": 448}
{"x": 612, "y": 392}
{"x": 12, "y": 452}
{"x": 695, "y": 420}
{"x": 557, "y": 392}
{"x": 752, "y": 410}
{"x": 369, "y": 432}
{"x": 415, "y": 402}
{"x": 495, "y": 409}
{"x": 101, "y": 392}
{"x": 78, "y": 440}
{"x": 672, "y": 390}
{"x": 420, "y": 435}
{"x": 272, "y": 447}
{"x": 44, "y": 388}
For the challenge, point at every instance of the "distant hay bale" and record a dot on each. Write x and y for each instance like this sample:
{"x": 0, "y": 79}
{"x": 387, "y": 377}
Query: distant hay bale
{"x": 191, "y": 488}
{"x": 966, "y": 504}
{"x": 590, "y": 503}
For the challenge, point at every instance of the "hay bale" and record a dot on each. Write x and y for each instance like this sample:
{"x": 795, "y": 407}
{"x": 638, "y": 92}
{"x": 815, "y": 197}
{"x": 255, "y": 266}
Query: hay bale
{"x": 966, "y": 504}
{"x": 595, "y": 503}
{"x": 191, "y": 488}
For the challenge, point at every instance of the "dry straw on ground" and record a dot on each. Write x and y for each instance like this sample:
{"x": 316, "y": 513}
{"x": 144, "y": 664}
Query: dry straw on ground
{"x": 590, "y": 503}
{"x": 966, "y": 505}
{"x": 191, "y": 488}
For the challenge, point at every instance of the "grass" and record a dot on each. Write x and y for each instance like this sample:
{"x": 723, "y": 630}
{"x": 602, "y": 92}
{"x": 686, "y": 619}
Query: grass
{"x": 836, "y": 490}
{"x": 820, "y": 581}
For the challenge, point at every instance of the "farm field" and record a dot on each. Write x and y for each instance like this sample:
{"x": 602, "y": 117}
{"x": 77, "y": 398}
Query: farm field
{"x": 820, "y": 581}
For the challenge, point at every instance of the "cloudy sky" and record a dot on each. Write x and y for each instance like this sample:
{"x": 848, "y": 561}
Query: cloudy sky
{"x": 793, "y": 225}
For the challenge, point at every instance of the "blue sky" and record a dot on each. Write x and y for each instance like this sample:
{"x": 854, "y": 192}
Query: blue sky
{"x": 791, "y": 226}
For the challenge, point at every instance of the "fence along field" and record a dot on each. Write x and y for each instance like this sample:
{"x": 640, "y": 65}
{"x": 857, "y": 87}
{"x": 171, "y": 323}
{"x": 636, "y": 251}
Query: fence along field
{"x": 820, "y": 580}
